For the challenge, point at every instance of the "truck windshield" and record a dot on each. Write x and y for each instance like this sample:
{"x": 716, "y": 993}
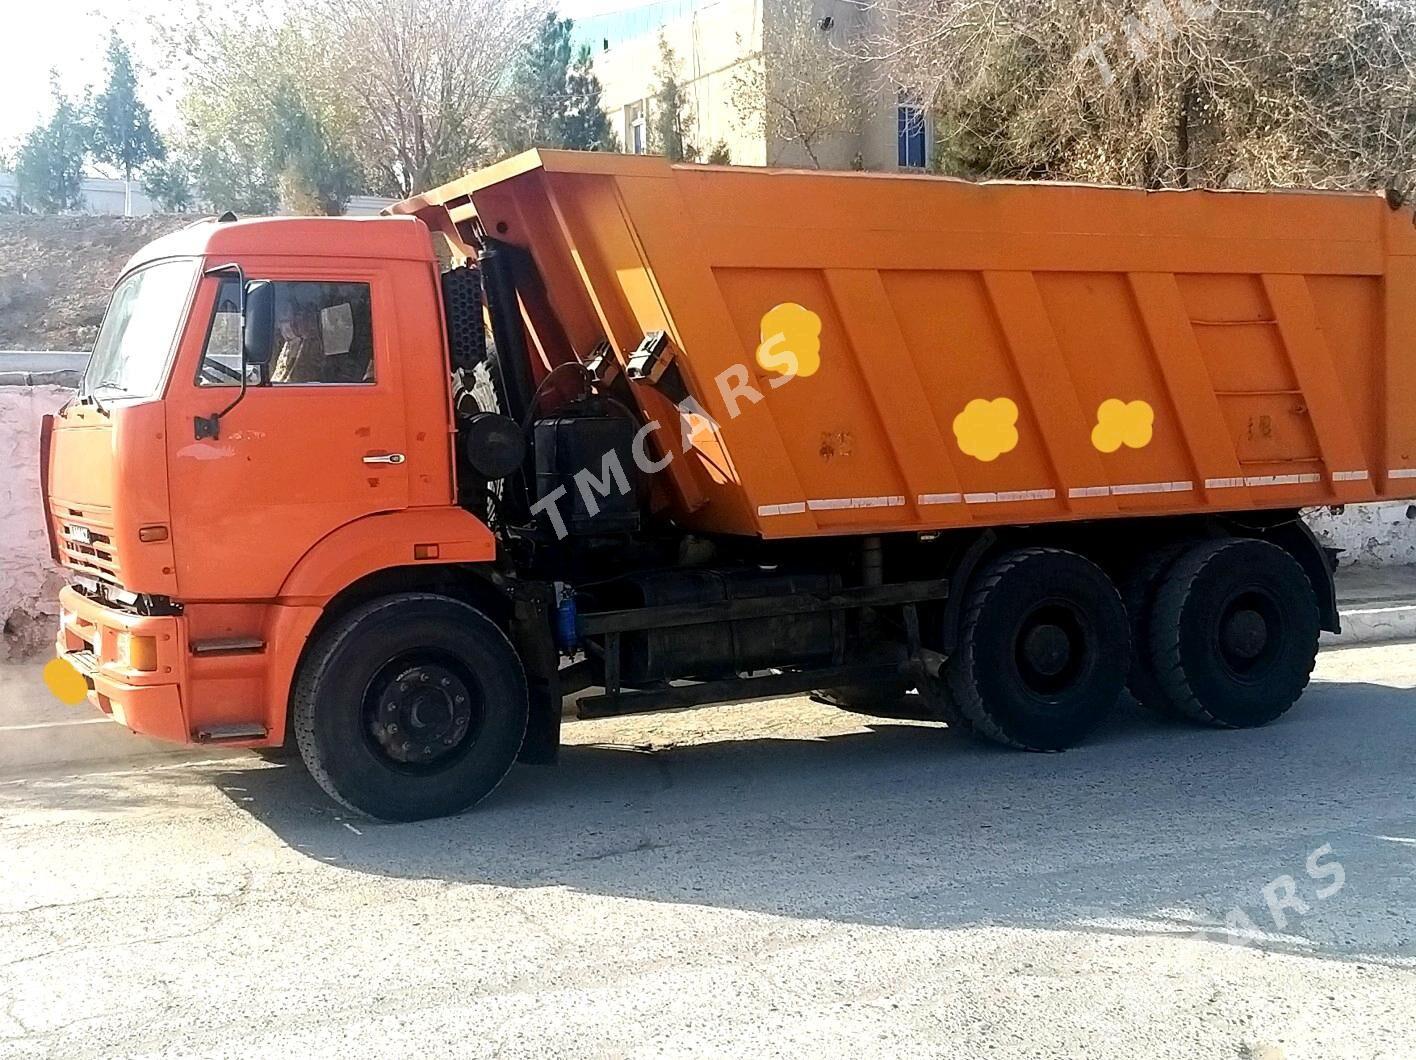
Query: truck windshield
{"x": 139, "y": 330}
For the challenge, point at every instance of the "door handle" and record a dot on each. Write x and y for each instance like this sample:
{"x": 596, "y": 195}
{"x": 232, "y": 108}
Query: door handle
{"x": 385, "y": 458}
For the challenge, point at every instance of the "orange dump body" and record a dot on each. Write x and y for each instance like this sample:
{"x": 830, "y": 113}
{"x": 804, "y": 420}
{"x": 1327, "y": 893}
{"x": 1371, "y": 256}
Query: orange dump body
{"x": 976, "y": 354}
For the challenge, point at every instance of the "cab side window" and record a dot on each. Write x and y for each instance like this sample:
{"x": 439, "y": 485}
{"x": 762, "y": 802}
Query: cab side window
{"x": 323, "y": 334}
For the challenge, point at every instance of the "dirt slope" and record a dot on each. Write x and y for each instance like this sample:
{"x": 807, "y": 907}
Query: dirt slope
{"x": 56, "y": 273}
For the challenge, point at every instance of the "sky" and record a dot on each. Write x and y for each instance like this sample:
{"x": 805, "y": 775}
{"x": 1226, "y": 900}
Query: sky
{"x": 70, "y": 36}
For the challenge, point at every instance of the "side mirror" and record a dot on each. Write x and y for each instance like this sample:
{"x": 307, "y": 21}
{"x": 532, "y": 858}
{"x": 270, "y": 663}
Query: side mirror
{"x": 258, "y": 323}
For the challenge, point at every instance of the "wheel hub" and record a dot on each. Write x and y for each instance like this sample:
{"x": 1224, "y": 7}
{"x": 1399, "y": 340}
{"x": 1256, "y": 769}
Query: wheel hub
{"x": 1245, "y": 634}
{"x": 422, "y": 714}
{"x": 1047, "y": 649}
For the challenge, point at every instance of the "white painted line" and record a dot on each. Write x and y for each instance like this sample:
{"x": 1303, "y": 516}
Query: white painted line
{"x": 782, "y": 509}
{"x": 1129, "y": 488}
{"x": 1152, "y": 487}
{"x": 1402, "y": 472}
{"x": 940, "y": 498}
{"x": 832, "y": 504}
{"x": 1350, "y": 476}
{"x": 1262, "y": 480}
{"x": 56, "y": 724}
{"x": 1010, "y": 495}
{"x": 1281, "y": 480}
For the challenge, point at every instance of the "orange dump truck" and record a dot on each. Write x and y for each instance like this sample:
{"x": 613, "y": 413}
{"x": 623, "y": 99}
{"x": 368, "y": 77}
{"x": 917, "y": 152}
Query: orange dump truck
{"x": 675, "y": 435}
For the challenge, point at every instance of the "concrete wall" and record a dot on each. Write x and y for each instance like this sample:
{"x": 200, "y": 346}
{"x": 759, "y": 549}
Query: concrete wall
{"x": 1371, "y": 535}
{"x": 29, "y": 581}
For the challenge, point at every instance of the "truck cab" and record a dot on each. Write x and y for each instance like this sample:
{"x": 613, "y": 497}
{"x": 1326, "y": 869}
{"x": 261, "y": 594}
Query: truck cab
{"x": 201, "y": 543}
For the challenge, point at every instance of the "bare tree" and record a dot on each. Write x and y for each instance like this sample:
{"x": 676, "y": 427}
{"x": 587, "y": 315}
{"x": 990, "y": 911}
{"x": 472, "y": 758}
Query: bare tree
{"x": 1237, "y": 93}
{"x": 801, "y": 91}
{"x": 429, "y": 77}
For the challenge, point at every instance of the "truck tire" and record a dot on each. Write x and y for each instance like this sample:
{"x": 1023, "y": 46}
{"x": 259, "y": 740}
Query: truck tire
{"x": 1234, "y": 633}
{"x": 1043, "y": 649}
{"x": 1138, "y": 592}
{"x": 409, "y": 707}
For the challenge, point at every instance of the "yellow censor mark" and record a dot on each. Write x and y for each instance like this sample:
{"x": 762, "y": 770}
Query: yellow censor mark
{"x": 987, "y": 429}
{"x": 67, "y": 684}
{"x": 791, "y": 341}
{"x": 1118, "y": 423}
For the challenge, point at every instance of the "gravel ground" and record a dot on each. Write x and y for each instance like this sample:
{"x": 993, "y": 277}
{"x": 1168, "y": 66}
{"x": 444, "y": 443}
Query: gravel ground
{"x": 773, "y": 879}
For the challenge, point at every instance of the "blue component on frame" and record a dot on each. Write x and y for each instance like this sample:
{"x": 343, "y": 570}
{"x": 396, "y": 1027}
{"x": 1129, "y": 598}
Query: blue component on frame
{"x": 567, "y": 633}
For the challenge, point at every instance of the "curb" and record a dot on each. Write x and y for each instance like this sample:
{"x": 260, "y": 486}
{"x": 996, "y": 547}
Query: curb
{"x": 1374, "y": 625}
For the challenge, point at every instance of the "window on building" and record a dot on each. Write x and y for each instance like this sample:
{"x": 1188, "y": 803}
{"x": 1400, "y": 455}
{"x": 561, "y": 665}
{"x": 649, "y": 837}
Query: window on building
{"x": 324, "y": 334}
{"x": 911, "y": 132}
{"x": 635, "y": 131}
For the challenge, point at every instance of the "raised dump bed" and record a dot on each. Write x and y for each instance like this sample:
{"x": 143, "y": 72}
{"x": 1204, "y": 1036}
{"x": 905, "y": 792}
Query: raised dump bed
{"x": 979, "y": 354}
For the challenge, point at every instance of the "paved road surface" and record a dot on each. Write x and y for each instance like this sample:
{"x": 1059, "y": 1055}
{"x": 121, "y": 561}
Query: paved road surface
{"x": 766, "y": 880}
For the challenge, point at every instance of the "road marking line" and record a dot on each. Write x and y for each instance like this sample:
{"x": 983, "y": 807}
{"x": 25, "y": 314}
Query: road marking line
{"x": 56, "y": 724}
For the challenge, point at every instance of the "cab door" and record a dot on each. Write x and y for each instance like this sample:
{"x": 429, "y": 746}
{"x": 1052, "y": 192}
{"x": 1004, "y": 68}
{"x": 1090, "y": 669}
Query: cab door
{"x": 319, "y": 439}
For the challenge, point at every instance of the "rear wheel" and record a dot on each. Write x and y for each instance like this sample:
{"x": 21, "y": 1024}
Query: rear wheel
{"x": 1234, "y": 633}
{"x": 1138, "y": 592}
{"x": 1043, "y": 650}
{"x": 410, "y": 707}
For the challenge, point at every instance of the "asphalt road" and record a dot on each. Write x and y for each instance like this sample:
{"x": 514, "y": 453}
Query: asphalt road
{"x": 778, "y": 879}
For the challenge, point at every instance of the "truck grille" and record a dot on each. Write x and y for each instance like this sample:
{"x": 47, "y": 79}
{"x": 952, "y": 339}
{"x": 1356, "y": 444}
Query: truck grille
{"x": 86, "y": 544}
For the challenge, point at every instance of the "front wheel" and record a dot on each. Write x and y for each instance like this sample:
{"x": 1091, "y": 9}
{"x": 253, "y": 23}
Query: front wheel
{"x": 409, "y": 707}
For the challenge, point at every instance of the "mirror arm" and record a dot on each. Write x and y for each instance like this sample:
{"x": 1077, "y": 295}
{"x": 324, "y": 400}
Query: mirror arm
{"x": 210, "y": 426}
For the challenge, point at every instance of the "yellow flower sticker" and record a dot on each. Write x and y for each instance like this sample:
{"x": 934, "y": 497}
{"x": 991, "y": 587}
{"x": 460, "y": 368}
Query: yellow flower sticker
{"x": 67, "y": 684}
{"x": 791, "y": 341}
{"x": 987, "y": 429}
{"x": 1118, "y": 423}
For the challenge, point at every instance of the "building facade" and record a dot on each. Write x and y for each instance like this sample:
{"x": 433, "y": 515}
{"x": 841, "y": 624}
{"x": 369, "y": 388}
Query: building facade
{"x": 732, "y": 57}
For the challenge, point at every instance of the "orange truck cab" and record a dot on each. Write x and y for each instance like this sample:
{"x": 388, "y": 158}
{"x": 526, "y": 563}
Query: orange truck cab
{"x": 391, "y": 488}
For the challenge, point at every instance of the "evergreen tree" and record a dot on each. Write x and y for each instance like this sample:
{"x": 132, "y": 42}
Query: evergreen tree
{"x": 552, "y": 100}
{"x": 169, "y": 184}
{"x": 672, "y": 120}
{"x": 536, "y": 105}
{"x": 585, "y": 125}
{"x": 317, "y": 173}
{"x": 49, "y": 167}
{"x": 120, "y": 123}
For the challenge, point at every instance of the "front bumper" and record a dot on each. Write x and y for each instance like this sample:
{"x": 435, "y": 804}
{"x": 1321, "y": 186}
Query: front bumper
{"x": 147, "y": 700}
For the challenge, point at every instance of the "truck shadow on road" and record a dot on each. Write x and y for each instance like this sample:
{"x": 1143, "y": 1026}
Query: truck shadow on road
{"x": 1152, "y": 827}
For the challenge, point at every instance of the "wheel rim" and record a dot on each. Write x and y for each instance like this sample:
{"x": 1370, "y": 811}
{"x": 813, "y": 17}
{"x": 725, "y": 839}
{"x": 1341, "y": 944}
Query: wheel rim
{"x": 422, "y": 711}
{"x": 1249, "y": 634}
{"x": 1052, "y": 649}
